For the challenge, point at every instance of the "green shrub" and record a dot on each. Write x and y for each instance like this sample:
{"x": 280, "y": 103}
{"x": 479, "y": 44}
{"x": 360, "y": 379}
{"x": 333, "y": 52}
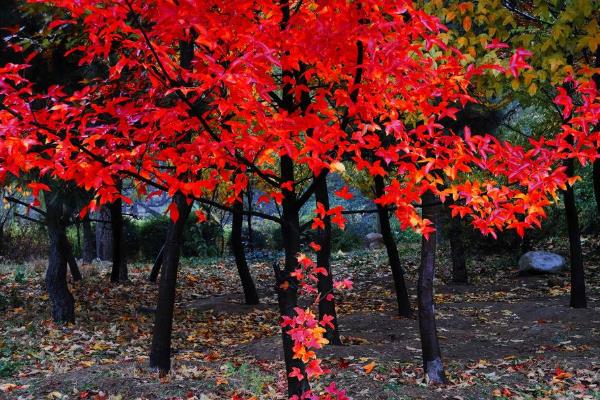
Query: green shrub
{"x": 274, "y": 237}
{"x": 23, "y": 241}
{"x": 346, "y": 240}
{"x": 200, "y": 240}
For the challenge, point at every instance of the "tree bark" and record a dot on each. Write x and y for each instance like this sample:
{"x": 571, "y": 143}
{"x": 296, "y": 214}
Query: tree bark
{"x": 288, "y": 297}
{"x": 160, "y": 352}
{"x": 249, "y": 218}
{"x": 63, "y": 303}
{"x": 88, "y": 251}
{"x": 432, "y": 358}
{"x": 402, "y": 298}
{"x": 103, "y": 235}
{"x": 157, "y": 264}
{"x": 237, "y": 247}
{"x": 457, "y": 250}
{"x": 119, "y": 262}
{"x": 75, "y": 273}
{"x": 325, "y": 282}
{"x": 578, "y": 297}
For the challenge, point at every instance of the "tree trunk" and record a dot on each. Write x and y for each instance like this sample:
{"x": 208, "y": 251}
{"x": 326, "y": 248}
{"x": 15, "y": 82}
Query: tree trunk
{"x": 578, "y": 297}
{"x": 457, "y": 250}
{"x": 160, "y": 352}
{"x": 249, "y": 219}
{"x": 157, "y": 264}
{"x": 75, "y": 273}
{"x": 237, "y": 247}
{"x": 402, "y": 298}
{"x": 63, "y": 303}
{"x": 288, "y": 297}
{"x": 325, "y": 282}
{"x": 103, "y": 235}
{"x": 119, "y": 266}
{"x": 88, "y": 251}
{"x": 432, "y": 358}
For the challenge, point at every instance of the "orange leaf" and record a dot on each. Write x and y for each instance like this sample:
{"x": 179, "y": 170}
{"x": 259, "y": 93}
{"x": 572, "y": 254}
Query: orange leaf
{"x": 369, "y": 367}
{"x": 467, "y": 23}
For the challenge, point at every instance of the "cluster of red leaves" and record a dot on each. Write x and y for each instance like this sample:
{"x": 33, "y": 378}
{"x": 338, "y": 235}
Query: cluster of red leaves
{"x": 222, "y": 119}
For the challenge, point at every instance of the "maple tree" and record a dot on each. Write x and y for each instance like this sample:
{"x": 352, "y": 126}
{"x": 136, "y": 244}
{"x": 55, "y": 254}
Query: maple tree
{"x": 198, "y": 95}
{"x": 562, "y": 38}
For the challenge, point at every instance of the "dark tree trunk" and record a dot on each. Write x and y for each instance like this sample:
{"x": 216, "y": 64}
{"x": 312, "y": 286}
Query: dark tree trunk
{"x": 249, "y": 219}
{"x": 88, "y": 251}
{"x": 63, "y": 304}
{"x": 432, "y": 358}
{"x": 288, "y": 297}
{"x": 104, "y": 235}
{"x": 119, "y": 266}
{"x": 457, "y": 250}
{"x": 402, "y": 298}
{"x": 325, "y": 282}
{"x": 75, "y": 273}
{"x": 578, "y": 297}
{"x": 157, "y": 264}
{"x": 160, "y": 352}
{"x": 237, "y": 247}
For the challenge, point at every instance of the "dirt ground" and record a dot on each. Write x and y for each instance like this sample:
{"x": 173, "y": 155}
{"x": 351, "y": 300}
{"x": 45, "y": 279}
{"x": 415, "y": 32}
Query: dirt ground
{"x": 503, "y": 336}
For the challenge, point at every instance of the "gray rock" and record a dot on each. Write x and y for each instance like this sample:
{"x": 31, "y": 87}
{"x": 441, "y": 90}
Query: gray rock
{"x": 543, "y": 262}
{"x": 374, "y": 240}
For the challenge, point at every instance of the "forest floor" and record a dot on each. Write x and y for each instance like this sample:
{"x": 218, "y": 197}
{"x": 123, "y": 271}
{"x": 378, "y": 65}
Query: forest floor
{"x": 503, "y": 336}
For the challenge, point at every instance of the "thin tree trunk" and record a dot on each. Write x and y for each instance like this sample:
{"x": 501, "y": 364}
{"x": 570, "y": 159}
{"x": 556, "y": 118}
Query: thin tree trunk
{"x": 75, "y": 273}
{"x": 457, "y": 250}
{"x": 119, "y": 266}
{"x": 103, "y": 235}
{"x": 325, "y": 282}
{"x": 160, "y": 352}
{"x": 288, "y": 297}
{"x": 88, "y": 251}
{"x": 237, "y": 247}
{"x": 432, "y": 358}
{"x": 578, "y": 297}
{"x": 63, "y": 303}
{"x": 249, "y": 218}
{"x": 157, "y": 264}
{"x": 402, "y": 298}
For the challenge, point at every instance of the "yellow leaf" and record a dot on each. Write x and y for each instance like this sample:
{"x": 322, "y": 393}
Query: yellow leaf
{"x": 532, "y": 89}
{"x": 337, "y": 166}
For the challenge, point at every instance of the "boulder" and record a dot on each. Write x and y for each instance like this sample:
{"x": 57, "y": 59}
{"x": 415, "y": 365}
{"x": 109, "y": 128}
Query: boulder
{"x": 542, "y": 262}
{"x": 374, "y": 240}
